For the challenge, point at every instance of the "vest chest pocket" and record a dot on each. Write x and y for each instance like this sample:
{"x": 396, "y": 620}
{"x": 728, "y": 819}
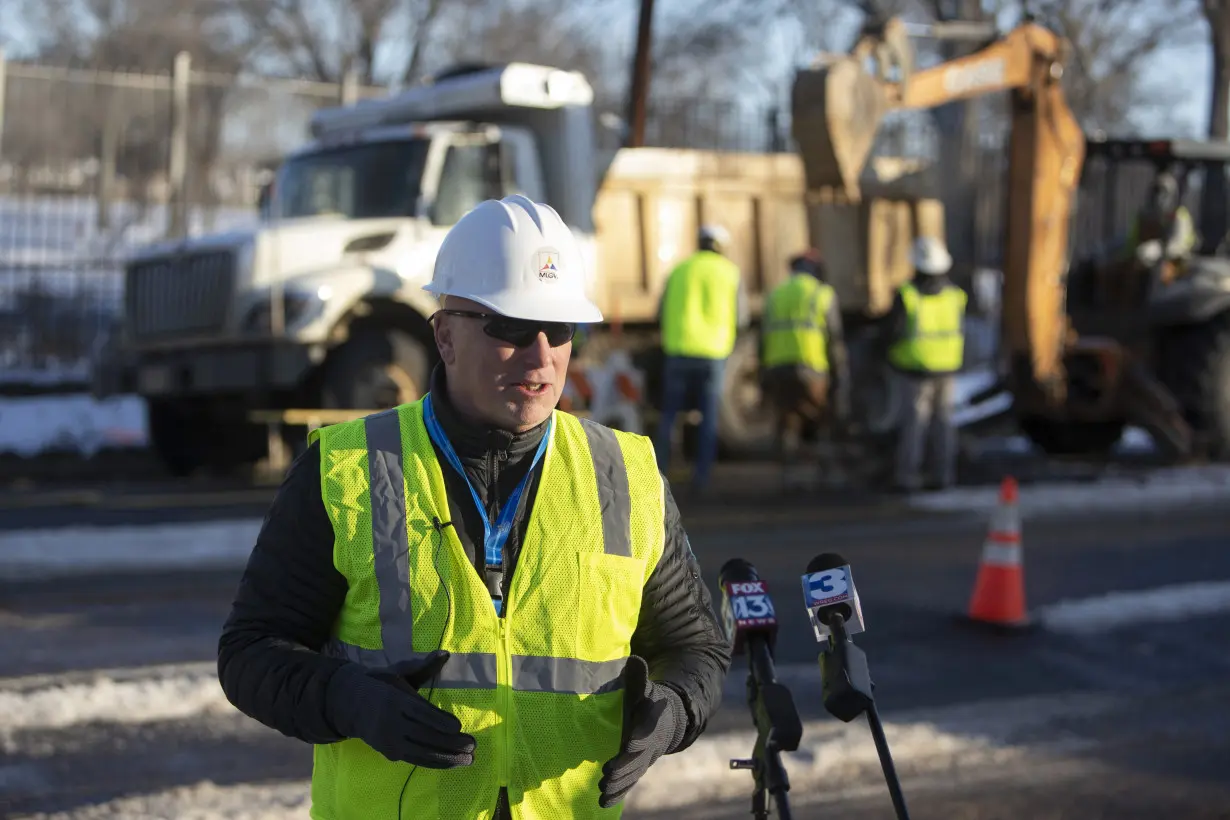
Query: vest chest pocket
{"x": 608, "y": 604}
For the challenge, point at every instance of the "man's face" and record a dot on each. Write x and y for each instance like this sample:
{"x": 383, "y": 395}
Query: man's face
{"x": 493, "y": 381}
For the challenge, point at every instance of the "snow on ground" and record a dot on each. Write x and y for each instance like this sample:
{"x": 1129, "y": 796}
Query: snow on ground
{"x": 934, "y": 742}
{"x": 1167, "y": 604}
{"x": 1158, "y": 490}
{"x": 51, "y": 703}
{"x": 34, "y": 424}
{"x": 60, "y": 551}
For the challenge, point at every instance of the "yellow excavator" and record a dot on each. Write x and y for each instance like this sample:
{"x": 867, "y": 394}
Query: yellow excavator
{"x": 1069, "y": 389}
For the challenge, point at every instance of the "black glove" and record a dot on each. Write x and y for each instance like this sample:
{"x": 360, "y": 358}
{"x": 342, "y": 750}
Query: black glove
{"x": 654, "y": 722}
{"x": 382, "y": 707}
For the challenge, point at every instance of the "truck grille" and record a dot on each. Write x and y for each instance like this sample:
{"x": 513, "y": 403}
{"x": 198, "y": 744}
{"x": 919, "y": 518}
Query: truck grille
{"x": 179, "y": 295}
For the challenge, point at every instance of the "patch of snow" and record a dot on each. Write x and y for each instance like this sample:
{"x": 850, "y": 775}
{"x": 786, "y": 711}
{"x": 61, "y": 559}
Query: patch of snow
{"x": 1158, "y": 490}
{"x": 64, "y": 551}
{"x": 34, "y": 424}
{"x": 933, "y": 741}
{"x": 112, "y": 699}
{"x": 1113, "y": 610}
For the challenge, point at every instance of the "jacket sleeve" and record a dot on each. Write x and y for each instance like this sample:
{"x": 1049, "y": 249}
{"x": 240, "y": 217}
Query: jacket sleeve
{"x": 678, "y": 634}
{"x": 289, "y": 596}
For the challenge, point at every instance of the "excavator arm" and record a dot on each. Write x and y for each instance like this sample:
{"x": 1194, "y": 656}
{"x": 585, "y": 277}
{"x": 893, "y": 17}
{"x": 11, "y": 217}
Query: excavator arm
{"x": 838, "y": 108}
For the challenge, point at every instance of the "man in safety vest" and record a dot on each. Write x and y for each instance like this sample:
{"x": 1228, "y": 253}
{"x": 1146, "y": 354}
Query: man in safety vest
{"x": 703, "y": 307}
{"x": 1165, "y": 221}
{"x": 803, "y": 359}
{"x": 927, "y": 334}
{"x": 474, "y": 605}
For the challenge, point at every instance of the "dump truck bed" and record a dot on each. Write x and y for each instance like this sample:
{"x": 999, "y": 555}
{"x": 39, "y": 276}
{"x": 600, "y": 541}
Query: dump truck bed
{"x": 652, "y": 201}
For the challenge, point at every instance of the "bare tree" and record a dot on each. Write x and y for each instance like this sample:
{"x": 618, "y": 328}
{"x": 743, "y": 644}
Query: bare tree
{"x": 1213, "y": 196}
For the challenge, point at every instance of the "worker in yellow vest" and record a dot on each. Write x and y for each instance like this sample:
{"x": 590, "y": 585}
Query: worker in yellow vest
{"x": 927, "y": 334}
{"x": 704, "y": 305}
{"x": 803, "y": 364}
{"x": 476, "y": 605}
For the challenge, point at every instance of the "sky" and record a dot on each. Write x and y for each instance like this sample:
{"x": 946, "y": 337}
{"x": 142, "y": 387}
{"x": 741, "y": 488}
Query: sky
{"x": 1185, "y": 70}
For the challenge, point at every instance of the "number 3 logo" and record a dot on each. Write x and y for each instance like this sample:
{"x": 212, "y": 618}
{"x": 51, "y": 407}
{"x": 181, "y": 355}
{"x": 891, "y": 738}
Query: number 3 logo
{"x": 830, "y": 583}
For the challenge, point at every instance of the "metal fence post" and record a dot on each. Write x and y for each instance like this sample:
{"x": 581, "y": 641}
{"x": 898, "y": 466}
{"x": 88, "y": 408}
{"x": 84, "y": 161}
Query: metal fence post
{"x": 2, "y": 86}
{"x": 177, "y": 165}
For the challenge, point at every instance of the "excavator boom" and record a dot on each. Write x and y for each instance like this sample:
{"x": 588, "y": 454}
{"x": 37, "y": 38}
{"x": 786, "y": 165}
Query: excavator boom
{"x": 838, "y": 107}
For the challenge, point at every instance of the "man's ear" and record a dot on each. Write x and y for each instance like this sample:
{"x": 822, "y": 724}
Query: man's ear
{"x": 444, "y": 340}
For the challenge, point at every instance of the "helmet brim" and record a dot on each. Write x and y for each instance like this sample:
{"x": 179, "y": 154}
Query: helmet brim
{"x": 520, "y": 305}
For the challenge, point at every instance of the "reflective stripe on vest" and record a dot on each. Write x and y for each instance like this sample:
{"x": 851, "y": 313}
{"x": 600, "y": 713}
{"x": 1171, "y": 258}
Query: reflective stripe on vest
{"x": 539, "y": 689}
{"x": 701, "y": 307}
{"x": 934, "y": 341}
{"x": 795, "y": 323}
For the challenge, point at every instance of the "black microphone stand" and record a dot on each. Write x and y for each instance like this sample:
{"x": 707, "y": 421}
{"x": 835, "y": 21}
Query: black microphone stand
{"x": 847, "y": 687}
{"x": 778, "y": 729}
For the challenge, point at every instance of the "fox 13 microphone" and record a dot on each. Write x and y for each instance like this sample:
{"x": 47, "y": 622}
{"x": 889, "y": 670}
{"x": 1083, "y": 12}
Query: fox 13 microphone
{"x": 833, "y": 606}
{"x": 751, "y": 626}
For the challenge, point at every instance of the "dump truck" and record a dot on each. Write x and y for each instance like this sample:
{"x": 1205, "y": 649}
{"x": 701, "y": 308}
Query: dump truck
{"x": 321, "y": 305}
{"x": 1120, "y": 341}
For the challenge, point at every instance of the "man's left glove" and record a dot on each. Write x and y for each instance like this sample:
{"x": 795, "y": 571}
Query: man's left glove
{"x": 655, "y": 720}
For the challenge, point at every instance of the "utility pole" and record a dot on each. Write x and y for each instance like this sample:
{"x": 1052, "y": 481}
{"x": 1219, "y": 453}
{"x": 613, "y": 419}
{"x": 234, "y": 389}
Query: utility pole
{"x": 638, "y": 90}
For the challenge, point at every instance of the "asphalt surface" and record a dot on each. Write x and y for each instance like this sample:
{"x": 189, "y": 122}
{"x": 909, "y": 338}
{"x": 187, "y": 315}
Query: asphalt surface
{"x": 1147, "y": 731}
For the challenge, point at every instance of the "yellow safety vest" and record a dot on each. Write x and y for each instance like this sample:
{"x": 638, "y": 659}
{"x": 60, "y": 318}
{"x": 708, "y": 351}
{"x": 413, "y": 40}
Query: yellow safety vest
{"x": 934, "y": 341}
{"x": 701, "y": 307}
{"x": 795, "y": 323}
{"x": 539, "y": 689}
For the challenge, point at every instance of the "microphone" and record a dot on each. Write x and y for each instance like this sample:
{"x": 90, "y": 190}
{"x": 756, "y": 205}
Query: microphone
{"x": 747, "y": 610}
{"x": 828, "y": 590}
{"x": 750, "y": 623}
{"x": 833, "y": 607}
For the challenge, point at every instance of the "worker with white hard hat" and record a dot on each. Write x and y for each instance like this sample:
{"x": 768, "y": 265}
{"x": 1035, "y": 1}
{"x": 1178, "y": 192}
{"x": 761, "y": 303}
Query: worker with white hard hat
{"x": 475, "y": 605}
{"x": 703, "y": 307}
{"x": 927, "y": 348}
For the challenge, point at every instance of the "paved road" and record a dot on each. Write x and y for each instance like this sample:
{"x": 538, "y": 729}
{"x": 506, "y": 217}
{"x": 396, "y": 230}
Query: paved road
{"x": 1121, "y": 724}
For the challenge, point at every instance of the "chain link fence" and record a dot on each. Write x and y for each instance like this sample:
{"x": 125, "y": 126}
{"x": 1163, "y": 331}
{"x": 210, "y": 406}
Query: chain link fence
{"x": 94, "y": 164}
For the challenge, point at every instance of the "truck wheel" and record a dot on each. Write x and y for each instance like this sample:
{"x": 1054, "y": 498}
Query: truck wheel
{"x": 1083, "y": 438}
{"x": 186, "y": 438}
{"x": 376, "y": 368}
{"x": 745, "y": 428}
{"x": 1198, "y": 364}
{"x": 173, "y": 437}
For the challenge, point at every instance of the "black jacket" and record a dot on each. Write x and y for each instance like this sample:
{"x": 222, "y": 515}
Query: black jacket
{"x": 290, "y": 594}
{"x": 897, "y": 322}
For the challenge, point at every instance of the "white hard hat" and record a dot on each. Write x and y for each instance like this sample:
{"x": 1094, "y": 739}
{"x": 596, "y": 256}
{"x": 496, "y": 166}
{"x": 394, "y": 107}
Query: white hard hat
{"x": 518, "y": 258}
{"x": 930, "y": 256}
{"x": 715, "y": 234}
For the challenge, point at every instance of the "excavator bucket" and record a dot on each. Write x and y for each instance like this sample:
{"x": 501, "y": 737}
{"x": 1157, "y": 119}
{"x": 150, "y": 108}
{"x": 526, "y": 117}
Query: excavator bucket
{"x": 836, "y": 111}
{"x": 837, "y": 108}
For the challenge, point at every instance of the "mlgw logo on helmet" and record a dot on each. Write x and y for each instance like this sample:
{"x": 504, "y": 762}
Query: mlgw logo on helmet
{"x": 545, "y": 262}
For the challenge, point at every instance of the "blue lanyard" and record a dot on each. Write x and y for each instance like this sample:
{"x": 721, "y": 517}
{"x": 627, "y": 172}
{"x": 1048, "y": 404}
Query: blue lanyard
{"x": 494, "y": 537}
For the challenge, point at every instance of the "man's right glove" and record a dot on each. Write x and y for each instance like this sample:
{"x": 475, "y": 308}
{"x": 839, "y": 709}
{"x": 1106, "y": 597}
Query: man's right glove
{"x": 382, "y": 707}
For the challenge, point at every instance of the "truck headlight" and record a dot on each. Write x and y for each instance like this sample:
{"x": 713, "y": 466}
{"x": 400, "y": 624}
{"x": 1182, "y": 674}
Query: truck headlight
{"x": 298, "y": 307}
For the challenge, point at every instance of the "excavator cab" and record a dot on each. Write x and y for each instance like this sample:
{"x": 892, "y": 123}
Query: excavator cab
{"x": 1173, "y": 315}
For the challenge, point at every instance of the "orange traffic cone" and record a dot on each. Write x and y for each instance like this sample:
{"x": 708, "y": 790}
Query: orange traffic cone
{"x": 999, "y": 591}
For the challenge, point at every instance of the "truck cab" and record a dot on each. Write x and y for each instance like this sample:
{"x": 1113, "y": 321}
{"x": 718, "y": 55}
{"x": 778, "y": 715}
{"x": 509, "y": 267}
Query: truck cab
{"x": 320, "y": 304}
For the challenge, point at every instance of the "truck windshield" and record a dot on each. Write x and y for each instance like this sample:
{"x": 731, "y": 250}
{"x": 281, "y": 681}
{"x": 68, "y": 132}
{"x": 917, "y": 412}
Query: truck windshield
{"x": 374, "y": 180}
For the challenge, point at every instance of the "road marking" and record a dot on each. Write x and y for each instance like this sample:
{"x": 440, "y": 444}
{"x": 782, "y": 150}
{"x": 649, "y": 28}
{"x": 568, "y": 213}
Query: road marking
{"x": 1115, "y": 610}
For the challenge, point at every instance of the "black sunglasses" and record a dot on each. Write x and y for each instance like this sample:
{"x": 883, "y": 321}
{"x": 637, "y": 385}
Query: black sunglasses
{"x": 519, "y": 332}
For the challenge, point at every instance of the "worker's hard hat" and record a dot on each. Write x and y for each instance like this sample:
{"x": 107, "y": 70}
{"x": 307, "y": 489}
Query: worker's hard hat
{"x": 809, "y": 261}
{"x": 518, "y": 258}
{"x": 930, "y": 256}
{"x": 715, "y": 236}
